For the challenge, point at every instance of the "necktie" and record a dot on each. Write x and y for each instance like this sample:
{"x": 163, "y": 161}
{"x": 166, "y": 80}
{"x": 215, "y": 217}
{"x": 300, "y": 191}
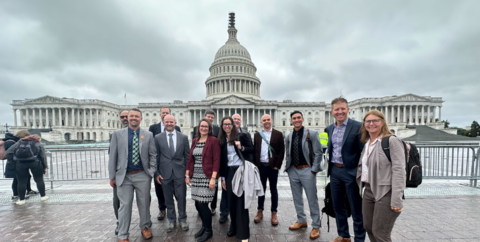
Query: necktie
{"x": 170, "y": 141}
{"x": 135, "y": 153}
{"x": 296, "y": 157}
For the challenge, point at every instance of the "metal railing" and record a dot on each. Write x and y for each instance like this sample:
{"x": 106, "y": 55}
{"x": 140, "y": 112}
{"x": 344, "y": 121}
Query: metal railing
{"x": 439, "y": 161}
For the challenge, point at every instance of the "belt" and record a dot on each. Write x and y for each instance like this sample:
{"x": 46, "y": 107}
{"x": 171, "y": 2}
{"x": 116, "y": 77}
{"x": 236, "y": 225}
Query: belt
{"x": 338, "y": 165}
{"x": 264, "y": 163}
{"x": 233, "y": 167}
{"x": 302, "y": 166}
{"x": 135, "y": 171}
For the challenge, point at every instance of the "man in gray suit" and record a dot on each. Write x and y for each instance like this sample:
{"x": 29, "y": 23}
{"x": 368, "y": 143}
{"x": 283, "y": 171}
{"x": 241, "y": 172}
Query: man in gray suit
{"x": 302, "y": 171}
{"x": 131, "y": 166}
{"x": 173, "y": 150}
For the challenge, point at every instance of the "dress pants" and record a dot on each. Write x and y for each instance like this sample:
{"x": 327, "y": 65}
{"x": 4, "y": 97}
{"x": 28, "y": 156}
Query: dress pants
{"x": 238, "y": 214}
{"x": 22, "y": 171}
{"x": 160, "y": 196}
{"x": 378, "y": 217}
{"x": 266, "y": 172}
{"x": 224, "y": 210}
{"x": 303, "y": 179}
{"x": 175, "y": 187}
{"x": 116, "y": 202}
{"x": 140, "y": 183}
{"x": 341, "y": 183}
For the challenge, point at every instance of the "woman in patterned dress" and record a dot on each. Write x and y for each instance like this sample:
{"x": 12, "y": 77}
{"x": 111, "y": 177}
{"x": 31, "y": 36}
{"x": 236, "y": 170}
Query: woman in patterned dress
{"x": 201, "y": 174}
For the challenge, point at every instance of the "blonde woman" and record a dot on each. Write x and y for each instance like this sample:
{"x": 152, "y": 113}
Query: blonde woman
{"x": 384, "y": 181}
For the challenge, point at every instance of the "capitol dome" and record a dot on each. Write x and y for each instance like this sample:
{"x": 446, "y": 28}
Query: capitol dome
{"x": 232, "y": 71}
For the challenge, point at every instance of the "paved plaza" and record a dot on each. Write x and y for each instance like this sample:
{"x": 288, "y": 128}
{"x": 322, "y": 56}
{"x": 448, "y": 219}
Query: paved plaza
{"x": 82, "y": 211}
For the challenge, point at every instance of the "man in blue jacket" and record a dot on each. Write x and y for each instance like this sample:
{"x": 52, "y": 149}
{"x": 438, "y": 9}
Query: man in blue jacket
{"x": 344, "y": 148}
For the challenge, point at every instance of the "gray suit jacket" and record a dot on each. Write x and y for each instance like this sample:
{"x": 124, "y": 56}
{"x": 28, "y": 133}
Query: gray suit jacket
{"x": 168, "y": 164}
{"x": 118, "y": 157}
{"x": 317, "y": 150}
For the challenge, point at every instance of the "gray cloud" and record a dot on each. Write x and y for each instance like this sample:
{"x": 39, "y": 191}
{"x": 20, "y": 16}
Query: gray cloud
{"x": 321, "y": 49}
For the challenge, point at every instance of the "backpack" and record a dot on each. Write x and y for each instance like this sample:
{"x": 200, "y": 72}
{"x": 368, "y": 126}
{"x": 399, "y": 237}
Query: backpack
{"x": 413, "y": 165}
{"x": 26, "y": 150}
{"x": 328, "y": 209}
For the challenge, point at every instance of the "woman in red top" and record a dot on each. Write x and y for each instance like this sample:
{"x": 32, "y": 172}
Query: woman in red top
{"x": 202, "y": 171}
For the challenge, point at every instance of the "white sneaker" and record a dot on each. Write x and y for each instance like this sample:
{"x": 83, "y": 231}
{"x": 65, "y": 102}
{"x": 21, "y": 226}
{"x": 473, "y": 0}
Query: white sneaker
{"x": 21, "y": 202}
{"x": 44, "y": 198}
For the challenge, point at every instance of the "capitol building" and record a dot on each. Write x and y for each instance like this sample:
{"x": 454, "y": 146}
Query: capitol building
{"x": 232, "y": 87}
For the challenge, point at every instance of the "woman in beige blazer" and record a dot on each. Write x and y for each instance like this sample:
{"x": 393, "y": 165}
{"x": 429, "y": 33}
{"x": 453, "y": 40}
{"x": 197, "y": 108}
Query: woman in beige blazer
{"x": 384, "y": 181}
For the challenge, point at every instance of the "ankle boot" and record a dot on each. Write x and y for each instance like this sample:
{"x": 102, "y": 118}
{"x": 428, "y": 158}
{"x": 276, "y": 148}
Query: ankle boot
{"x": 206, "y": 235}
{"x": 200, "y": 232}
{"x": 274, "y": 219}
{"x": 259, "y": 216}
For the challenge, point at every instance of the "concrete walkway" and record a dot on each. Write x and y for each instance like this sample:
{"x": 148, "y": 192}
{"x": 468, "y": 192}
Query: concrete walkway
{"x": 82, "y": 211}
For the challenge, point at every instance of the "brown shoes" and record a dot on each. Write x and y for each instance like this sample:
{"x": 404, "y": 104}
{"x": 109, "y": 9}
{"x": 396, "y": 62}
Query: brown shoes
{"x": 259, "y": 217}
{"x": 123, "y": 240}
{"x": 274, "y": 219}
{"x": 146, "y": 234}
{"x": 297, "y": 226}
{"x": 315, "y": 233}
{"x": 341, "y": 239}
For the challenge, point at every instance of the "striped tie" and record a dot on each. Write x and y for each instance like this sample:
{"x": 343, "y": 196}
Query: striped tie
{"x": 135, "y": 153}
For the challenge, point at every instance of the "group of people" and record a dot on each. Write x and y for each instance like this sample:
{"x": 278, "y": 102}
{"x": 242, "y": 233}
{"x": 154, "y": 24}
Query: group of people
{"x": 24, "y": 154}
{"x": 223, "y": 155}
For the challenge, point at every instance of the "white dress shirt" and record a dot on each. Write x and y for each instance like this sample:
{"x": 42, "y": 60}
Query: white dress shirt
{"x": 174, "y": 137}
{"x": 366, "y": 154}
{"x": 264, "y": 154}
{"x": 162, "y": 127}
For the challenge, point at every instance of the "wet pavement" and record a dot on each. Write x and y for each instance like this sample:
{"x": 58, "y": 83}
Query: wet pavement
{"x": 438, "y": 210}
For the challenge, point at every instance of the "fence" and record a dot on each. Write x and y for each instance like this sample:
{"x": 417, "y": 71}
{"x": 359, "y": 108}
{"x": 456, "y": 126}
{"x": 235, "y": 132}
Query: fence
{"x": 439, "y": 160}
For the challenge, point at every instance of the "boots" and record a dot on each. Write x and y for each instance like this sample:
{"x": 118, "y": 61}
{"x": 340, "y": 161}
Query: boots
{"x": 206, "y": 235}
{"x": 259, "y": 216}
{"x": 274, "y": 219}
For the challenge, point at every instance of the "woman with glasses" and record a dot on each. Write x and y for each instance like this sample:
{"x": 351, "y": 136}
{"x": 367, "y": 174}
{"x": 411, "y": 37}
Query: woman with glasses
{"x": 232, "y": 144}
{"x": 384, "y": 180}
{"x": 201, "y": 174}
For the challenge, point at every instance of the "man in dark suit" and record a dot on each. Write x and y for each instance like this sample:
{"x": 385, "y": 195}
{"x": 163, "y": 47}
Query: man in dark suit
{"x": 269, "y": 152}
{"x": 172, "y": 155}
{"x": 210, "y": 115}
{"x": 344, "y": 148}
{"x": 157, "y": 129}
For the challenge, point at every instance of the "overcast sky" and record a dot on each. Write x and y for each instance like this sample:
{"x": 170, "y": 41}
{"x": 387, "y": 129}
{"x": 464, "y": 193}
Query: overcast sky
{"x": 160, "y": 51}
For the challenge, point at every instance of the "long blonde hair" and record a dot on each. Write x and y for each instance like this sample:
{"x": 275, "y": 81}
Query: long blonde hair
{"x": 385, "y": 132}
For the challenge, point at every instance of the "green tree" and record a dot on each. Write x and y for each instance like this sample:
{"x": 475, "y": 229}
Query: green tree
{"x": 446, "y": 123}
{"x": 462, "y": 132}
{"x": 475, "y": 129}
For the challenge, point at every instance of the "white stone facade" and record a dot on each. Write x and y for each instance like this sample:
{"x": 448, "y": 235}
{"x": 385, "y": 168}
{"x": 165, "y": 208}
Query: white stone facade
{"x": 76, "y": 119}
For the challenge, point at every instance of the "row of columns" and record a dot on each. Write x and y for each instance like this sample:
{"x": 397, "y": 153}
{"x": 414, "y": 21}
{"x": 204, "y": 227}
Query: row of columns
{"x": 226, "y": 69}
{"x": 409, "y": 114}
{"x": 61, "y": 117}
{"x": 235, "y": 85}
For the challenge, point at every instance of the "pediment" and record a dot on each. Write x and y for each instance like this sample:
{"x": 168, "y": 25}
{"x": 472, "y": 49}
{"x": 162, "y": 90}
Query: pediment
{"x": 47, "y": 99}
{"x": 232, "y": 100}
{"x": 409, "y": 97}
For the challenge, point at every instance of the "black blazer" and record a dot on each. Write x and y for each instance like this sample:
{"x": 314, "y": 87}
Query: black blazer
{"x": 215, "y": 131}
{"x": 351, "y": 146}
{"x": 249, "y": 157}
{"x": 249, "y": 149}
{"x": 157, "y": 128}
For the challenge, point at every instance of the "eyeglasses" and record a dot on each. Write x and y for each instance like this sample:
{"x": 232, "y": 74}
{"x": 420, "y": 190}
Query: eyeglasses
{"x": 227, "y": 124}
{"x": 123, "y": 116}
{"x": 204, "y": 127}
{"x": 374, "y": 121}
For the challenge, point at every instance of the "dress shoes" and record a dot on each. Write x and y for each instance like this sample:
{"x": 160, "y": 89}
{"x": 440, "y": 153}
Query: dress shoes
{"x": 297, "y": 226}
{"x": 123, "y": 240}
{"x": 315, "y": 233}
{"x": 146, "y": 233}
{"x": 274, "y": 219}
{"x": 200, "y": 232}
{"x": 341, "y": 239}
{"x": 259, "y": 216}
{"x": 222, "y": 219}
{"x": 161, "y": 215}
{"x": 231, "y": 233}
{"x": 206, "y": 235}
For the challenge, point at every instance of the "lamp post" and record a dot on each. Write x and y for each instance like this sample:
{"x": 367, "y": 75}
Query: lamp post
{"x": 6, "y": 128}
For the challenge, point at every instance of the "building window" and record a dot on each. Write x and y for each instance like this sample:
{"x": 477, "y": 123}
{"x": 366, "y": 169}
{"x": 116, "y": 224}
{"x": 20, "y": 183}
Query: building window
{"x": 283, "y": 113}
{"x": 309, "y": 113}
{"x": 309, "y": 124}
{"x": 181, "y": 114}
{"x": 283, "y": 121}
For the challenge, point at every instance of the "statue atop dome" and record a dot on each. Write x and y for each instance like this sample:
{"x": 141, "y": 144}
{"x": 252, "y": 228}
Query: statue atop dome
{"x": 232, "y": 20}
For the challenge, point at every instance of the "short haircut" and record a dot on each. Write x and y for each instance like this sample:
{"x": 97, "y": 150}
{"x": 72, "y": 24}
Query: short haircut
{"x": 169, "y": 110}
{"x": 209, "y": 112}
{"x": 122, "y": 112}
{"x": 210, "y": 129}
{"x": 339, "y": 100}
{"x": 136, "y": 110}
{"x": 22, "y": 134}
{"x": 295, "y": 112}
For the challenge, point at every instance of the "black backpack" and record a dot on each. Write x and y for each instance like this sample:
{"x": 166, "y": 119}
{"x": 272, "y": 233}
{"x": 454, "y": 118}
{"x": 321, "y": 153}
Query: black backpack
{"x": 328, "y": 209}
{"x": 413, "y": 165}
{"x": 26, "y": 150}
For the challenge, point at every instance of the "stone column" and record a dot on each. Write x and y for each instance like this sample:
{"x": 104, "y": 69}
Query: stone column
{"x": 40, "y": 118}
{"x": 91, "y": 119}
{"x": 22, "y": 121}
{"x": 386, "y": 115}
{"x": 78, "y": 118}
{"x": 34, "y": 118}
{"x": 248, "y": 116}
{"x": 404, "y": 113}
{"x": 15, "y": 117}
{"x": 27, "y": 110}
{"x": 428, "y": 114}
{"x": 422, "y": 116}
{"x": 194, "y": 117}
{"x": 410, "y": 115}
{"x": 434, "y": 113}
{"x": 416, "y": 115}
{"x": 48, "y": 118}
{"x": 85, "y": 118}
{"x": 259, "y": 117}
{"x": 60, "y": 116}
